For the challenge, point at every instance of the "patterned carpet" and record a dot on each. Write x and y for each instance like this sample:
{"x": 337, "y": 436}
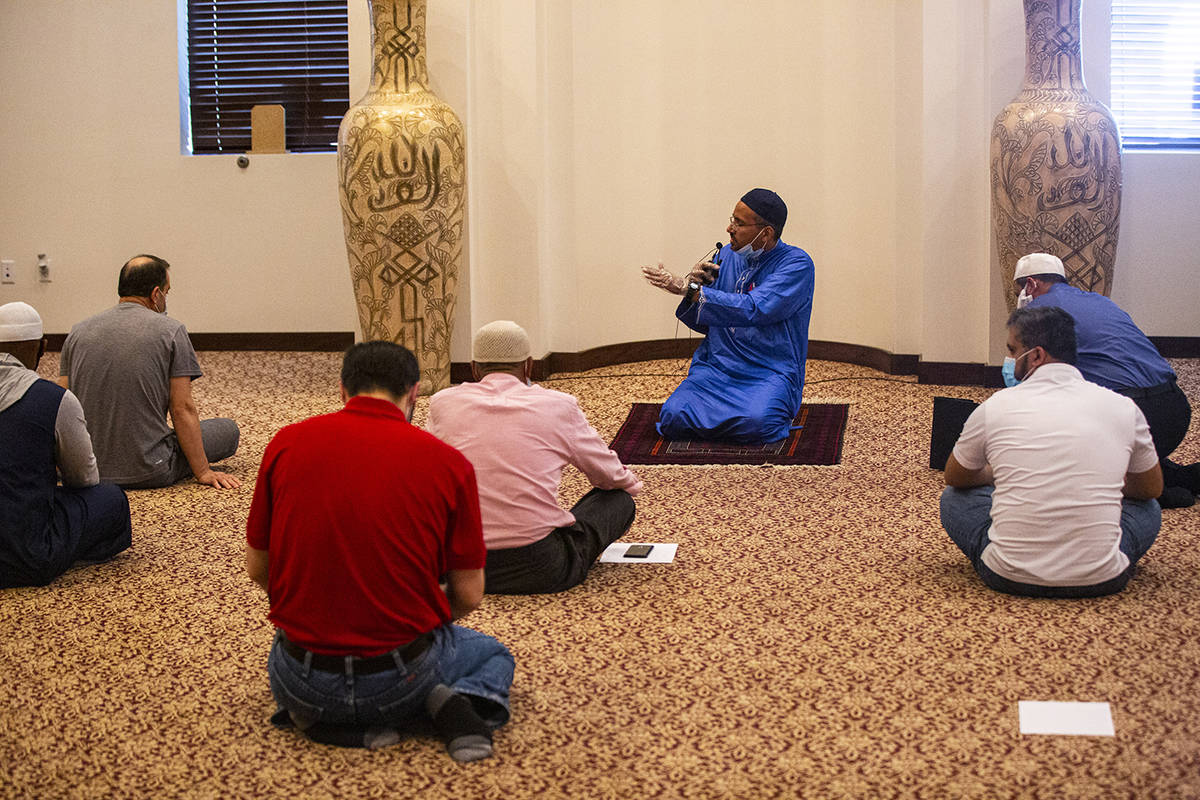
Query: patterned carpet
{"x": 818, "y": 636}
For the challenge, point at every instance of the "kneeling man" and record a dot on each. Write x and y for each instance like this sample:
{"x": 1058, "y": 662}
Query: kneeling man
{"x": 1051, "y": 484}
{"x": 747, "y": 376}
{"x": 357, "y": 517}
{"x": 520, "y": 437}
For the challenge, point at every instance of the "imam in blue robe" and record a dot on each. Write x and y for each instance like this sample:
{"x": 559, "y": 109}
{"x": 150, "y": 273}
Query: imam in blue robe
{"x": 747, "y": 376}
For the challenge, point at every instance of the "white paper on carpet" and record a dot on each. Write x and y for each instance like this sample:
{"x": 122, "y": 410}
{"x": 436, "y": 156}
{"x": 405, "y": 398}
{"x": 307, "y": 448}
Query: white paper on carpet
{"x": 663, "y": 553}
{"x": 1065, "y": 719}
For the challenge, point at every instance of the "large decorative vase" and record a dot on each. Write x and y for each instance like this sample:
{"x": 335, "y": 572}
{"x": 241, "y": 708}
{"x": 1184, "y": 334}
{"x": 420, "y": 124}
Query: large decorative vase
{"x": 1056, "y": 159}
{"x": 402, "y": 178}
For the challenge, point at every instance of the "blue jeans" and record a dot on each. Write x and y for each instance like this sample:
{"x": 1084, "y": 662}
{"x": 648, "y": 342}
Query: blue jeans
{"x": 967, "y": 516}
{"x": 471, "y": 663}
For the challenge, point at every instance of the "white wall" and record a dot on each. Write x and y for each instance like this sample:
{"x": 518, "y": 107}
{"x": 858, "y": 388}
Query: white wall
{"x": 955, "y": 231}
{"x": 90, "y": 173}
{"x": 601, "y": 136}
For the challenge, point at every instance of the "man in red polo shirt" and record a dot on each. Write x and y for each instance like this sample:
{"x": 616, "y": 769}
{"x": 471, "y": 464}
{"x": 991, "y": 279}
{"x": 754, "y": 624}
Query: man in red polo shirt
{"x": 357, "y": 518}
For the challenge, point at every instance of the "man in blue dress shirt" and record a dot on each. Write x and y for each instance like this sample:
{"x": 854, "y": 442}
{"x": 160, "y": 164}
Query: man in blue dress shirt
{"x": 753, "y": 303}
{"x": 1114, "y": 353}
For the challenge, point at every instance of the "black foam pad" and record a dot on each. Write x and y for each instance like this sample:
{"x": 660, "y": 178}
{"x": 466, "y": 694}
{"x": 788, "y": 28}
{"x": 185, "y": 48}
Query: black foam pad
{"x": 949, "y": 416}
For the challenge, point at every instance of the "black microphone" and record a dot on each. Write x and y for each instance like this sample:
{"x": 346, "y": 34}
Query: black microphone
{"x": 710, "y": 273}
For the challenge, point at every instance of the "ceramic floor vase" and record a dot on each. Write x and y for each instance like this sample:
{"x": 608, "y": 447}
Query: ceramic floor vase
{"x": 1056, "y": 159}
{"x": 402, "y": 180}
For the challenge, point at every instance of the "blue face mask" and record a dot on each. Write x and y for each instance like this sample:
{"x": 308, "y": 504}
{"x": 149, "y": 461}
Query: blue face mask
{"x": 747, "y": 250}
{"x": 1009, "y": 370}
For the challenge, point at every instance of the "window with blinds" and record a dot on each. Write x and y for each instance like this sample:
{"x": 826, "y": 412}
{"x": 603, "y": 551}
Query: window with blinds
{"x": 1156, "y": 72}
{"x": 242, "y": 53}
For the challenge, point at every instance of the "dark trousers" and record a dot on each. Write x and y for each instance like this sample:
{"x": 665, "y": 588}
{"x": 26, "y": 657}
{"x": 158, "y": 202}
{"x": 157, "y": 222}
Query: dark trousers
{"x": 562, "y": 559}
{"x": 1168, "y": 414}
{"x": 89, "y": 524}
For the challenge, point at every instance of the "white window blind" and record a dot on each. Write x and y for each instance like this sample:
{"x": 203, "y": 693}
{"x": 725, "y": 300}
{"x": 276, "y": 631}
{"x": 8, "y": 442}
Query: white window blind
{"x": 242, "y": 53}
{"x": 1156, "y": 72}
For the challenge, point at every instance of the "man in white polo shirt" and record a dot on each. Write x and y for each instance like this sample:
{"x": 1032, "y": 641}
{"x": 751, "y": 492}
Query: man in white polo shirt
{"x": 1051, "y": 485}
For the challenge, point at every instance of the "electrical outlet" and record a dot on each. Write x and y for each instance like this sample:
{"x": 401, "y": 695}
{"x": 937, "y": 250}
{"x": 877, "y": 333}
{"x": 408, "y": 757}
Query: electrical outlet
{"x": 6, "y": 271}
{"x": 43, "y": 268}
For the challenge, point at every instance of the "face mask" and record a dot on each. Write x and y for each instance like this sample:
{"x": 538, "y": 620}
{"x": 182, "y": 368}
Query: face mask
{"x": 747, "y": 250}
{"x": 1023, "y": 299}
{"x": 1009, "y": 370}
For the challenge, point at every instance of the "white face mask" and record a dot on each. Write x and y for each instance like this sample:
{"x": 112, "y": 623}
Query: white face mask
{"x": 1023, "y": 299}
{"x": 747, "y": 250}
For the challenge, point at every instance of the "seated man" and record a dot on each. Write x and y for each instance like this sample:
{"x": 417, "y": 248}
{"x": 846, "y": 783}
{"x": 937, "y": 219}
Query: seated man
{"x": 357, "y": 517}
{"x": 519, "y": 437}
{"x": 747, "y": 376}
{"x": 1114, "y": 353}
{"x": 130, "y": 366}
{"x": 1052, "y": 481}
{"x": 45, "y": 527}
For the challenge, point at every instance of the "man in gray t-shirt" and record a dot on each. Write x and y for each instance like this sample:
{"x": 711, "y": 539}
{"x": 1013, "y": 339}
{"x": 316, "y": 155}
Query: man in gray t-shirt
{"x": 132, "y": 365}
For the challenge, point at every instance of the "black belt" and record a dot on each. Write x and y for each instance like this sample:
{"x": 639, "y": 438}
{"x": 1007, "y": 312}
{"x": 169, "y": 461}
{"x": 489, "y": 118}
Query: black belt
{"x": 1138, "y": 393}
{"x": 359, "y": 666}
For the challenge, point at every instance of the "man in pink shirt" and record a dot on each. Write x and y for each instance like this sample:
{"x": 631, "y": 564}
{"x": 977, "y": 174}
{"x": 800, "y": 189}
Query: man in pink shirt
{"x": 519, "y": 437}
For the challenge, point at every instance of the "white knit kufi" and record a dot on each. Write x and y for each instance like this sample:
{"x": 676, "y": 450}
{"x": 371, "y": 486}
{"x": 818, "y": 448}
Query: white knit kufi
{"x": 500, "y": 342}
{"x": 19, "y": 322}
{"x": 1038, "y": 264}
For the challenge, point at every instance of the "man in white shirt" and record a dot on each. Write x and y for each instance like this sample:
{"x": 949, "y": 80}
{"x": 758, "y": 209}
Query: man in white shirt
{"x": 520, "y": 437}
{"x": 1051, "y": 485}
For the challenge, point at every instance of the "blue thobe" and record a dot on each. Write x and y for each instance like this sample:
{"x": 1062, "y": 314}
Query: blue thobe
{"x": 1112, "y": 350}
{"x": 747, "y": 376}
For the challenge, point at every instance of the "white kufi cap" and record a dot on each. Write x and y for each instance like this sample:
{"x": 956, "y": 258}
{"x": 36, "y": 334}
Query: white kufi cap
{"x": 19, "y": 322}
{"x": 1039, "y": 264}
{"x": 500, "y": 342}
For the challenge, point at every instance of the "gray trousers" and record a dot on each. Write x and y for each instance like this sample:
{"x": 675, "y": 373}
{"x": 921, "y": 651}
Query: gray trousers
{"x": 220, "y": 435}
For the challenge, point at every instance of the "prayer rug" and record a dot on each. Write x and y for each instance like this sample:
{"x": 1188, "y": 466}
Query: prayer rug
{"x": 817, "y": 442}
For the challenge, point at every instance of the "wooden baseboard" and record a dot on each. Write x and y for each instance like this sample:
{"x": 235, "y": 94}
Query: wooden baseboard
{"x": 954, "y": 373}
{"x": 1177, "y": 346}
{"x": 314, "y": 341}
{"x": 946, "y": 373}
{"x": 863, "y": 356}
{"x": 627, "y": 352}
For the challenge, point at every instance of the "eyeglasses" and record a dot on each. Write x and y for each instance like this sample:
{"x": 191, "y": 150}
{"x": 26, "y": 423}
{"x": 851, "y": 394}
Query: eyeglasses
{"x": 735, "y": 223}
